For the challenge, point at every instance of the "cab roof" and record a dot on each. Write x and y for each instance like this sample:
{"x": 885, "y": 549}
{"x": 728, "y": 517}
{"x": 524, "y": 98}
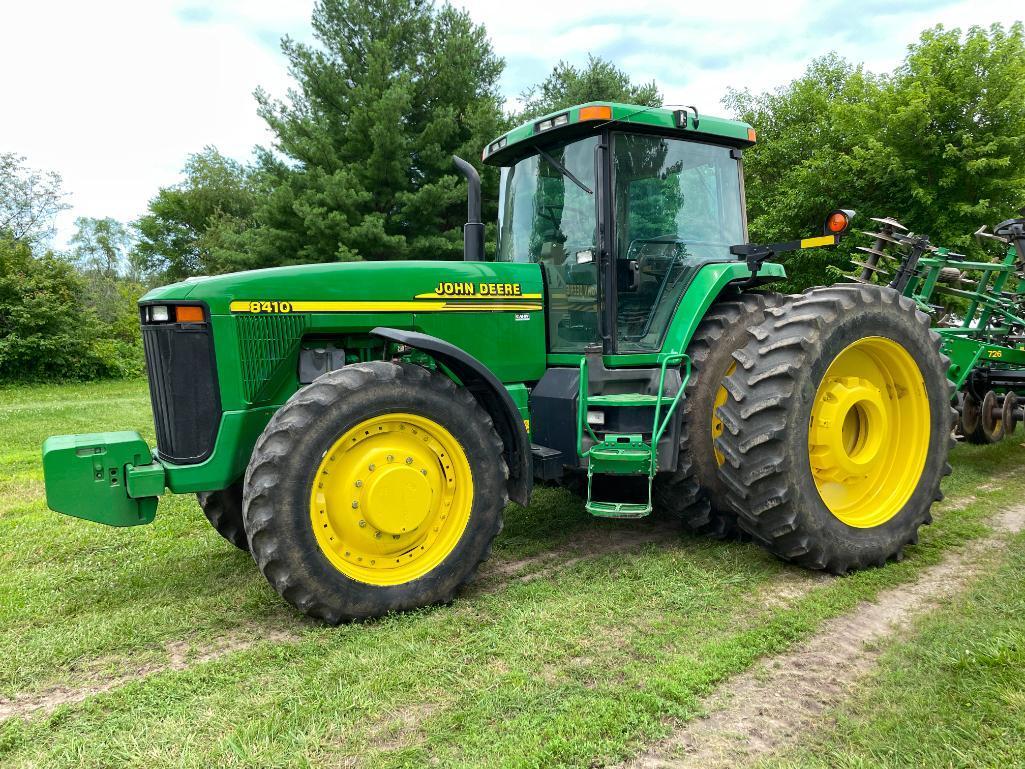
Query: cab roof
{"x": 585, "y": 119}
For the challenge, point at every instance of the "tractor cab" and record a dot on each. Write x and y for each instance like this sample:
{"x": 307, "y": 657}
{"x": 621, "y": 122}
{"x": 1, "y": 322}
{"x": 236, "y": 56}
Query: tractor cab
{"x": 620, "y": 205}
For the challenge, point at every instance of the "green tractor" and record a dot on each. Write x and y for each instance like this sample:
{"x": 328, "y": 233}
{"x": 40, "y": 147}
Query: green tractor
{"x": 360, "y": 428}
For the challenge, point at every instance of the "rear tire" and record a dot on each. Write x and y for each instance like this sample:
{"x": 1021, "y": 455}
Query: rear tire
{"x": 343, "y": 540}
{"x": 224, "y": 511}
{"x": 782, "y": 403}
{"x": 694, "y": 492}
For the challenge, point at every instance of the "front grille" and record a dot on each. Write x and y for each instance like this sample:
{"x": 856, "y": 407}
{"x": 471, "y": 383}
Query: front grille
{"x": 183, "y": 390}
{"x": 264, "y": 343}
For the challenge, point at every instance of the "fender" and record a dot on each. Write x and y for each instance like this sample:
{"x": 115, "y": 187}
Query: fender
{"x": 492, "y": 396}
{"x": 703, "y": 290}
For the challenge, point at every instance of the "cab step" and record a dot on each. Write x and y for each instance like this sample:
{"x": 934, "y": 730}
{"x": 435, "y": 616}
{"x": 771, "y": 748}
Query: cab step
{"x": 618, "y": 496}
{"x": 621, "y": 455}
{"x": 617, "y": 509}
{"x": 621, "y": 467}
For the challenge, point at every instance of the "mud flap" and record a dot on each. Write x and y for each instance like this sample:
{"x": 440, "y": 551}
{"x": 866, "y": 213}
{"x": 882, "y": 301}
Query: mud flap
{"x": 108, "y": 478}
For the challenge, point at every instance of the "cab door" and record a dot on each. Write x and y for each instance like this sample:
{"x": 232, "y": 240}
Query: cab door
{"x": 549, "y": 217}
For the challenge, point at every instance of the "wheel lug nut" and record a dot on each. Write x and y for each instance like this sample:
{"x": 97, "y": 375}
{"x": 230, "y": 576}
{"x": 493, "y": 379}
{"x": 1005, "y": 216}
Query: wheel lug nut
{"x": 391, "y": 458}
{"x": 409, "y": 460}
{"x": 355, "y": 504}
{"x": 377, "y": 535}
{"x": 372, "y": 468}
{"x": 359, "y": 484}
{"x": 362, "y": 524}
{"x": 423, "y": 472}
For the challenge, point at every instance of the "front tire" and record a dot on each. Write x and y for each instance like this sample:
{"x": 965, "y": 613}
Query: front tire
{"x": 377, "y": 488}
{"x": 223, "y": 509}
{"x": 837, "y": 428}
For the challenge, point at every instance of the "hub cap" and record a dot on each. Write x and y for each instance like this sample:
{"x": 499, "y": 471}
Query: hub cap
{"x": 391, "y": 499}
{"x": 869, "y": 432}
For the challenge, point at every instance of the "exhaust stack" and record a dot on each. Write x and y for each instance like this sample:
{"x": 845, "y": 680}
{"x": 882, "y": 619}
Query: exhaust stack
{"x": 473, "y": 230}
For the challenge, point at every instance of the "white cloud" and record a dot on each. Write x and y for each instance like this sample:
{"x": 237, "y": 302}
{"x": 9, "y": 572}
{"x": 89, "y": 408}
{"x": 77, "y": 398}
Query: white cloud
{"x": 113, "y": 94}
{"x": 697, "y": 50}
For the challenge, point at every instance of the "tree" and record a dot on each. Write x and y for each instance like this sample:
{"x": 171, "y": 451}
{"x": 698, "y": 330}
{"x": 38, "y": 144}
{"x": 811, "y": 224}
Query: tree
{"x": 47, "y": 330}
{"x": 937, "y": 143}
{"x": 362, "y": 162}
{"x": 185, "y": 231}
{"x": 598, "y": 80}
{"x": 29, "y": 200}
{"x": 112, "y": 283}
{"x": 101, "y": 246}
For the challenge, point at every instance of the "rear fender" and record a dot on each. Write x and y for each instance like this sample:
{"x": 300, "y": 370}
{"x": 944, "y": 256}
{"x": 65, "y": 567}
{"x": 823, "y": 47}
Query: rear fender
{"x": 704, "y": 289}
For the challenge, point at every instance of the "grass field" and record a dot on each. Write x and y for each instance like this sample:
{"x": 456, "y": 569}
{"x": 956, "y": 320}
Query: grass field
{"x": 582, "y": 641}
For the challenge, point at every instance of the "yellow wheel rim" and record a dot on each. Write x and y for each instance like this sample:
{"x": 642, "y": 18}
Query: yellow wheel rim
{"x": 869, "y": 432}
{"x": 391, "y": 499}
{"x": 720, "y": 399}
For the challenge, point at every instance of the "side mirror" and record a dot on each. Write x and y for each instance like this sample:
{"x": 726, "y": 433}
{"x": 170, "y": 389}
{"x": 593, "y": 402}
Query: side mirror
{"x": 838, "y": 222}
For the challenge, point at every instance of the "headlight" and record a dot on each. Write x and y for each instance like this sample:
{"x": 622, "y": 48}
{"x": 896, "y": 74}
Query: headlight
{"x": 159, "y": 313}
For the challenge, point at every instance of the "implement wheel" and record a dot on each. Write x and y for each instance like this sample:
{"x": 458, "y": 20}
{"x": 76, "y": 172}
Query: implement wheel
{"x": 837, "y": 427}
{"x": 224, "y": 511}
{"x": 971, "y": 416}
{"x": 377, "y": 488}
{"x": 1009, "y": 413}
{"x": 982, "y": 421}
{"x": 694, "y": 492}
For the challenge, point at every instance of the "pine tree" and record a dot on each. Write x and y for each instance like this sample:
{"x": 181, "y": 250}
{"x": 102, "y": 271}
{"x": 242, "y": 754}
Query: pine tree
{"x": 362, "y": 166}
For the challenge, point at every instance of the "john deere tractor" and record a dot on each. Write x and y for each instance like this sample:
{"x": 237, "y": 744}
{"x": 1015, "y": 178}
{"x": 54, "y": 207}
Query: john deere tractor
{"x": 360, "y": 428}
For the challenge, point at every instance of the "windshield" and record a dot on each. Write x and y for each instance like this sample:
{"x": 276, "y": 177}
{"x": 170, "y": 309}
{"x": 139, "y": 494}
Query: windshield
{"x": 678, "y": 205}
{"x": 548, "y": 217}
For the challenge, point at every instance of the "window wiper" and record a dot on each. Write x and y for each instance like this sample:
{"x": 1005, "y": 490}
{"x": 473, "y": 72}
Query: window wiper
{"x": 564, "y": 171}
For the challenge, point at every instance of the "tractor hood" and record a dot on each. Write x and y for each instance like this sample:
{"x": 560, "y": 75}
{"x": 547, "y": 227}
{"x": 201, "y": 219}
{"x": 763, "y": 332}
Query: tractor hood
{"x": 365, "y": 287}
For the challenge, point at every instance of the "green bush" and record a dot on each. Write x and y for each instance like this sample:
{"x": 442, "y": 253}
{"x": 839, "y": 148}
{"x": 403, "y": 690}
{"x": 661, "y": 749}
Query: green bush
{"x": 47, "y": 329}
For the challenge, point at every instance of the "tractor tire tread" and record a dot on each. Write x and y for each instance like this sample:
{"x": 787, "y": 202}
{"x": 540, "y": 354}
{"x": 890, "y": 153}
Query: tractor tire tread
{"x": 759, "y": 473}
{"x": 223, "y": 509}
{"x": 273, "y": 550}
{"x": 692, "y": 492}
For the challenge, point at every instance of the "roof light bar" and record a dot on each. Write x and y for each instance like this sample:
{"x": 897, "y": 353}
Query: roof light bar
{"x": 551, "y": 122}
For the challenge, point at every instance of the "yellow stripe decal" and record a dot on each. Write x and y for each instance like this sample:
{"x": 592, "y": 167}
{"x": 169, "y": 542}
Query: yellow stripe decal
{"x": 825, "y": 240}
{"x": 278, "y": 307}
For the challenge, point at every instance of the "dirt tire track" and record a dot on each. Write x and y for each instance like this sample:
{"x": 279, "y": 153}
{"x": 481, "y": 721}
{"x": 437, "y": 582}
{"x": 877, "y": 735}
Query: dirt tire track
{"x": 768, "y": 706}
{"x": 48, "y": 700}
{"x": 592, "y": 543}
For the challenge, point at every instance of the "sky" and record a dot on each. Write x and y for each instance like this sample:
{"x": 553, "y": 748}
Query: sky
{"x": 114, "y": 94}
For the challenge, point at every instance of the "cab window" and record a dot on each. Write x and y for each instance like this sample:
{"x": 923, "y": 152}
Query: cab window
{"x": 678, "y": 205}
{"x": 547, "y": 218}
